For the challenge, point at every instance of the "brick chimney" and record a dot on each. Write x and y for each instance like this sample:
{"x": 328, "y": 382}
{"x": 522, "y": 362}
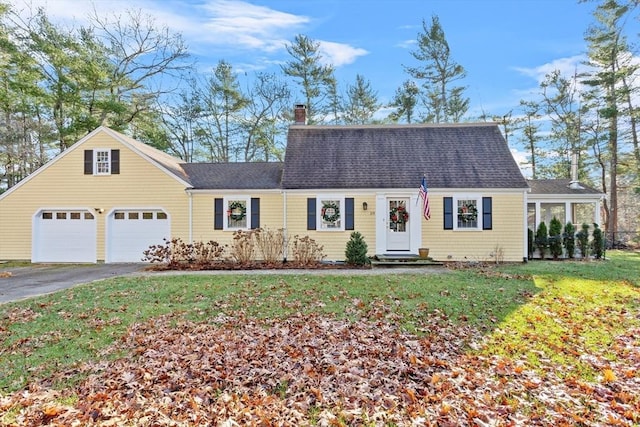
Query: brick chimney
{"x": 300, "y": 114}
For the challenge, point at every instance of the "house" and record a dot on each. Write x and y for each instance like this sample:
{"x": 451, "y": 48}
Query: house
{"x": 109, "y": 197}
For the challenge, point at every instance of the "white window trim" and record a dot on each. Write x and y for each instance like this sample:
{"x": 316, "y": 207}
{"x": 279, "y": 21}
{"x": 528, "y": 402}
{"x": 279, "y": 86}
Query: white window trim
{"x": 95, "y": 160}
{"x": 225, "y": 217}
{"x": 478, "y": 199}
{"x": 319, "y": 223}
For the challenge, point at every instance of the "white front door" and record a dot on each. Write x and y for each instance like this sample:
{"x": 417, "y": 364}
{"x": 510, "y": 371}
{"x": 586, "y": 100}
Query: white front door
{"x": 398, "y": 230}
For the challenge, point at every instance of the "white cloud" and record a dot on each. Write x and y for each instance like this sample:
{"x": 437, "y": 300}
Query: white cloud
{"x": 338, "y": 54}
{"x": 567, "y": 67}
{"x": 244, "y": 25}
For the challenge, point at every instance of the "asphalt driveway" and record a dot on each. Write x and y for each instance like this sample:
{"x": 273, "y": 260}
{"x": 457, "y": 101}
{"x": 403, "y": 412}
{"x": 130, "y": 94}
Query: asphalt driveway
{"x": 17, "y": 283}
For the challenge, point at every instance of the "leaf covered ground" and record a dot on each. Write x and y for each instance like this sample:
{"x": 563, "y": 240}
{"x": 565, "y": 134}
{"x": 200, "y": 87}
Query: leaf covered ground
{"x": 569, "y": 355}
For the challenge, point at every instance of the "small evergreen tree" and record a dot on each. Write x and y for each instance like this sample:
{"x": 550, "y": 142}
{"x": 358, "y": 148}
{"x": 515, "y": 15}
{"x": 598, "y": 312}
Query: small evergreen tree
{"x": 597, "y": 244}
{"x": 583, "y": 240}
{"x": 356, "y": 251}
{"x": 569, "y": 238}
{"x": 542, "y": 239}
{"x": 555, "y": 238}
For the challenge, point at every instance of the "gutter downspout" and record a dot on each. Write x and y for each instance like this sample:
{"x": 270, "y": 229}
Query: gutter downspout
{"x": 284, "y": 227}
{"x": 190, "y": 194}
{"x": 525, "y": 257}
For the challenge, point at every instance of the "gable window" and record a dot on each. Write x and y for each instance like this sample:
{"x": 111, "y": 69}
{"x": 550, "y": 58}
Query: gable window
{"x": 101, "y": 162}
{"x": 468, "y": 213}
{"x": 236, "y": 213}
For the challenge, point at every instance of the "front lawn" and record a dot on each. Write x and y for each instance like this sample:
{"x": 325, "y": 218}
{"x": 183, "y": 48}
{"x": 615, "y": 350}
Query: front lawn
{"x": 550, "y": 343}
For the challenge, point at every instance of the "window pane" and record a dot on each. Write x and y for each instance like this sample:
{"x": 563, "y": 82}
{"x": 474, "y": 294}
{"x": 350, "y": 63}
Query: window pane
{"x": 161, "y": 215}
{"x": 119, "y": 215}
{"x": 550, "y": 210}
{"x": 61, "y": 215}
{"x": 102, "y": 162}
{"x": 74, "y": 215}
{"x": 467, "y": 213}
{"x": 237, "y": 214}
{"x": 88, "y": 215}
{"x": 330, "y": 214}
{"x": 147, "y": 215}
{"x": 134, "y": 215}
{"x": 531, "y": 216}
{"x": 47, "y": 215}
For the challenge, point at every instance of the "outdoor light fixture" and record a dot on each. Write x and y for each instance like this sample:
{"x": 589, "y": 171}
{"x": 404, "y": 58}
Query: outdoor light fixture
{"x": 99, "y": 210}
{"x": 365, "y": 206}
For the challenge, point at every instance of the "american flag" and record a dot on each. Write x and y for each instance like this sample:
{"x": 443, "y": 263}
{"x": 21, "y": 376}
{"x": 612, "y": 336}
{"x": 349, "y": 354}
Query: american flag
{"x": 426, "y": 210}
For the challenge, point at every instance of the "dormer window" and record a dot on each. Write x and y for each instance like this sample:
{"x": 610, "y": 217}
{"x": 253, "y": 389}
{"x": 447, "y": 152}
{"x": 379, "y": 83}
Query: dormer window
{"x": 101, "y": 162}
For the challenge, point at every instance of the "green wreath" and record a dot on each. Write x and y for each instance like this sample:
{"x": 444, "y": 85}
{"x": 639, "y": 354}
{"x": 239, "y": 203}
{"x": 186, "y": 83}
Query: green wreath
{"x": 237, "y": 211}
{"x": 330, "y": 212}
{"x": 399, "y": 215}
{"x": 468, "y": 212}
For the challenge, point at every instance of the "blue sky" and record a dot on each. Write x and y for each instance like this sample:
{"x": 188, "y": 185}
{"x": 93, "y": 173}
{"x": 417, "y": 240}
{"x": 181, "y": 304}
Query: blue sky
{"x": 506, "y": 46}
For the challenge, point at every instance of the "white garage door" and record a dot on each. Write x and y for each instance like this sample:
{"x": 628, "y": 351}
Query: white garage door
{"x": 64, "y": 236}
{"x": 131, "y": 232}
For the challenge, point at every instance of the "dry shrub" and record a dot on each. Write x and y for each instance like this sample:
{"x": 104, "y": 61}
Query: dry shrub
{"x": 271, "y": 244}
{"x": 243, "y": 248}
{"x": 306, "y": 251}
{"x": 177, "y": 253}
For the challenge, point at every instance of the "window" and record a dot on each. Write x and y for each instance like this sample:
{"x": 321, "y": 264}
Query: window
{"x": 237, "y": 213}
{"x": 47, "y": 215}
{"x": 118, "y": 215}
{"x": 61, "y": 215}
{"x": 468, "y": 213}
{"x": 134, "y": 215}
{"x": 147, "y": 215}
{"x": 161, "y": 215}
{"x": 74, "y": 215}
{"x": 102, "y": 162}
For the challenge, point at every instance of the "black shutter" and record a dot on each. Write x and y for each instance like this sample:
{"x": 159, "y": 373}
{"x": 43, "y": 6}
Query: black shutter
{"x": 349, "y": 220}
{"x": 255, "y": 213}
{"x": 88, "y": 162}
{"x": 311, "y": 213}
{"x": 115, "y": 162}
{"x": 218, "y": 214}
{"x": 448, "y": 213}
{"x": 487, "y": 223}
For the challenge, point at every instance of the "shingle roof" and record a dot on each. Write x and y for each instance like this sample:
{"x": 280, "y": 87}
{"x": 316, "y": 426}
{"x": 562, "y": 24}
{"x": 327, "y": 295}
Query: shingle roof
{"x": 234, "y": 176}
{"x": 396, "y": 156}
{"x": 558, "y": 186}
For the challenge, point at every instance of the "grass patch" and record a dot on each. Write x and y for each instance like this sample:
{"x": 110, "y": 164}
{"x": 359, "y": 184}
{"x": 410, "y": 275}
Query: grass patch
{"x": 573, "y": 321}
{"x": 529, "y": 312}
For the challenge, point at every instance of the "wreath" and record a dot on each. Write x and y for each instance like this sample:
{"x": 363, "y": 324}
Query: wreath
{"x": 468, "y": 212}
{"x": 237, "y": 211}
{"x": 330, "y": 212}
{"x": 399, "y": 215}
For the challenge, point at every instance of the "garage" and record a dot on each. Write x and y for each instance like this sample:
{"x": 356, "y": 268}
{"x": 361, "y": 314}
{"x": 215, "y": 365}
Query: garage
{"x": 131, "y": 231}
{"x": 64, "y": 235}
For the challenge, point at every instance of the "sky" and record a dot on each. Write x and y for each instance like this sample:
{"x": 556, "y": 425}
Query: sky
{"x": 506, "y": 46}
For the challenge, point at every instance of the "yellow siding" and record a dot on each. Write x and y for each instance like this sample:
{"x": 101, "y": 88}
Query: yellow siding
{"x": 63, "y": 185}
{"x": 507, "y": 234}
{"x": 334, "y": 242}
{"x": 203, "y": 216}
